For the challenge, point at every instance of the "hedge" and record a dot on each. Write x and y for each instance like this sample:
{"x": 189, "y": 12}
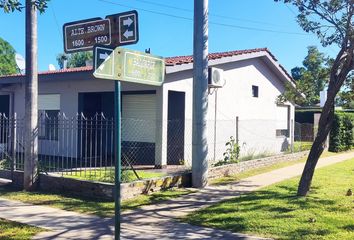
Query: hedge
{"x": 342, "y": 132}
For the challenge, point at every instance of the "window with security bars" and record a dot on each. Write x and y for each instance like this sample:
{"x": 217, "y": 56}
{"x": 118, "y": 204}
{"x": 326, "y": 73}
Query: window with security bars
{"x": 282, "y": 121}
{"x": 48, "y": 124}
{"x": 49, "y": 108}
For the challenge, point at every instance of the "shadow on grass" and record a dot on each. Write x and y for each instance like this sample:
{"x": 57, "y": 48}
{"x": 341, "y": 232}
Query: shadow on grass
{"x": 304, "y": 232}
{"x": 349, "y": 228}
{"x": 276, "y": 203}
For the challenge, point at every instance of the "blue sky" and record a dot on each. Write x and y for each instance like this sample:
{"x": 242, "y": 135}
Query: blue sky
{"x": 167, "y": 28}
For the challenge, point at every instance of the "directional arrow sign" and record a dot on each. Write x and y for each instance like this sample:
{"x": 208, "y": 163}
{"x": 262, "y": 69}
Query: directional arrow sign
{"x": 103, "y": 61}
{"x": 130, "y": 66}
{"x": 124, "y": 28}
{"x": 83, "y": 35}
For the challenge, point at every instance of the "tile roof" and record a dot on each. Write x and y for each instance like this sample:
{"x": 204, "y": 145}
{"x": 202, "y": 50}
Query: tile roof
{"x": 67, "y": 70}
{"x": 171, "y": 61}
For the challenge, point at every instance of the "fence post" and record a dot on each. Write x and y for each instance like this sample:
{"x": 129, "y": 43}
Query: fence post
{"x": 14, "y": 140}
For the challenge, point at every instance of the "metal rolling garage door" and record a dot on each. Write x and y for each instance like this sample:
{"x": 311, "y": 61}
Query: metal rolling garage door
{"x": 138, "y": 128}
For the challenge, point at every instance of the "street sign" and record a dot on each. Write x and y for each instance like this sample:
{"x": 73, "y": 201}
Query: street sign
{"x": 116, "y": 30}
{"x": 130, "y": 66}
{"x": 139, "y": 67}
{"x": 83, "y": 35}
{"x": 118, "y": 64}
{"x": 125, "y": 28}
{"x": 103, "y": 61}
{"x": 128, "y": 28}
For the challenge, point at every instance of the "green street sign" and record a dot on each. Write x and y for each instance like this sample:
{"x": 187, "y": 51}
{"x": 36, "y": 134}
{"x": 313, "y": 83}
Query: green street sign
{"x": 129, "y": 66}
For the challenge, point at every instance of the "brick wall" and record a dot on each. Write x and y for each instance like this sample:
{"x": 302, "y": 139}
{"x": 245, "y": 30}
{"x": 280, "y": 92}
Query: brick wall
{"x": 233, "y": 169}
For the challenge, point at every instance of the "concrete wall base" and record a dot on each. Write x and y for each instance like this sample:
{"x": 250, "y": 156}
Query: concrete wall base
{"x": 233, "y": 169}
{"x": 91, "y": 189}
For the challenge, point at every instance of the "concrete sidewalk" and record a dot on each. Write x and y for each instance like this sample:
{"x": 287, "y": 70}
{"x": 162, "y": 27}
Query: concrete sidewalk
{"x": 150, "y": 222}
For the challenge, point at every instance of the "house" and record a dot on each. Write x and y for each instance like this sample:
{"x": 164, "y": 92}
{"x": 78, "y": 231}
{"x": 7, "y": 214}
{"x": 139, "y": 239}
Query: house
{"x": 157, "y": 121}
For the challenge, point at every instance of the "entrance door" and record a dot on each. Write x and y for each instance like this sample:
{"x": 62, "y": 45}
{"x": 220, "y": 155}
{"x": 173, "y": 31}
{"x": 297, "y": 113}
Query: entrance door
{"x": 95, "y": 133}
{"x": 175, "y": 128}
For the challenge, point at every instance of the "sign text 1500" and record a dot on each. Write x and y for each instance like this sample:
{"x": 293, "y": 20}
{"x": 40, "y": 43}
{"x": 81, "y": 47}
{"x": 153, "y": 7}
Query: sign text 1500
{"x": 98, "y": 40}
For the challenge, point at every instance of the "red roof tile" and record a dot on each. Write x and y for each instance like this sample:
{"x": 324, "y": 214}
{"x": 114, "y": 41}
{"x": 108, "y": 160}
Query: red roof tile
{"x": 172, "y": 61}
{"x": 67, "y": 70}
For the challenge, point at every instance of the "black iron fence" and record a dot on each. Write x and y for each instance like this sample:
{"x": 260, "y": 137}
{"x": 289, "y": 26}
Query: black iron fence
{"x": 83, "y": 147}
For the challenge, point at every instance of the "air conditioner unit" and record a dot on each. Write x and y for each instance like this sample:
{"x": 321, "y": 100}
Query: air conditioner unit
{"x": 216, "y": 78}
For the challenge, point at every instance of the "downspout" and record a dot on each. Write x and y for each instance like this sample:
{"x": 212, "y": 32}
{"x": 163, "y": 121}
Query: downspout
{"x": 215, "y": 120}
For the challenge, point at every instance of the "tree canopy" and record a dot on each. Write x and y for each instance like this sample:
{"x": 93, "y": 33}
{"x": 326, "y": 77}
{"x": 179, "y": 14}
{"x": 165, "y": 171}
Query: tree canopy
{"x": 16, "y": 5}
{"x": 7, "y": 59}
{"x": 310, "y": 78}
{"x": 74, "y": 60}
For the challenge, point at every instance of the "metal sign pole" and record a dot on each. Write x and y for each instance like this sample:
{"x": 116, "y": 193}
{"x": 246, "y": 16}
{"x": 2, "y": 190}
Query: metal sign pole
{"x": 117, "y": 104}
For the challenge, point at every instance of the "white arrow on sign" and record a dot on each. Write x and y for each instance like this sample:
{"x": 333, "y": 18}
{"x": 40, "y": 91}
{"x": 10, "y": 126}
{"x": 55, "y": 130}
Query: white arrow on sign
{"x": 128, "y": 34}
{"x": 104, "y": 56}
{"x": 127, "y": 22}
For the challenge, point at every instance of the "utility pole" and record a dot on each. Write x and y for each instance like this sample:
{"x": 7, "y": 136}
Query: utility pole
{"x": 31, "y": 95}
{"x": 200, "y": 95}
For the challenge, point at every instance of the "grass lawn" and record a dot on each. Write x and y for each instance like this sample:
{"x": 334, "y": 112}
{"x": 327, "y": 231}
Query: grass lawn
{"x": 107, "y": 175}
{"x": 276, "y": 212}
{"x": 253, "y": 172}
{"x": 102, "y": 208}
{"x": 16, "y": 231}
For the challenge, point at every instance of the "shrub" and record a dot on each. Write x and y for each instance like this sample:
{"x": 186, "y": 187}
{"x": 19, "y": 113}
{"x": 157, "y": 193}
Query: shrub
{"x": 342, "y": 136}
{"x": 231, "y": 154}
{"x": 233, "y": 150}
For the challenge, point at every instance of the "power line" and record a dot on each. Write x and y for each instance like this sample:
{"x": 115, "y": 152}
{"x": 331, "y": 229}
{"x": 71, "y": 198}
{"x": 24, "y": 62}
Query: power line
{"x": 145, "y": 10}
{"x": 55, "y": 17}
{"x": 165, "y": 5}
{"x": 211, "y": 22}
{"x": 210, "y": 14}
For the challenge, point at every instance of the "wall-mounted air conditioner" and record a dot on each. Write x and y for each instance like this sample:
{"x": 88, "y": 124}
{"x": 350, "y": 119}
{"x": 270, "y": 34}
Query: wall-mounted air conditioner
{"x": 216, "y": 78}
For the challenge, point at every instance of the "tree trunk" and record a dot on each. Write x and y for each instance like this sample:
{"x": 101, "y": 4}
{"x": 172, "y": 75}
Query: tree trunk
{"x": 31, "y": 94}
{"x": 317, "y": 148}
{"x": 342, "y": 65}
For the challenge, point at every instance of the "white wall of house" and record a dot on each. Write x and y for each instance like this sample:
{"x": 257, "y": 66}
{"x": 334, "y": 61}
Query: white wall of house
{"x": 259, "y": 117}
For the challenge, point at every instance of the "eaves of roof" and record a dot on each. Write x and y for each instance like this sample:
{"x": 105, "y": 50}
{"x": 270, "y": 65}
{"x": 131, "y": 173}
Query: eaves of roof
{"x": 171, "y": 62}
